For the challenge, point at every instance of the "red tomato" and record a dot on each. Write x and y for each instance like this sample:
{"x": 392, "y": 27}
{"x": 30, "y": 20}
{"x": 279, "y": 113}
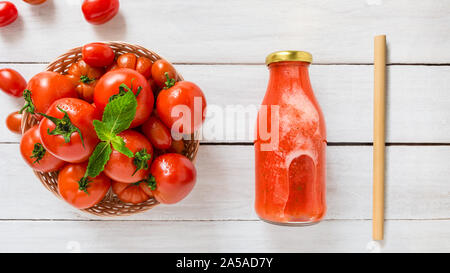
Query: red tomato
{"x": 183, "y": 94}
{"x": 142, "y": 65}
{"x": 8, "y": 13}
{"x": 73, "y": 116}
{"x": 35, "y": 2}
{"x": 177, "y": 146}
{"x": 47, "y": 87}
{"x": 98, "y": 54}
{"x": 175, "y": 177}
{"x": 108, "y": 85}
{"x": 99, "y": 11}
{"x": 130, "y": 170}
{"x": 35, "y": 154}
{"x": 11, "y": 82}
{"x": 157, "y": 133}
{"x": 159, "y": 68}
{"x": 80, "y": 192}
{"x": 130, "y": 193}
{"x": 14, "y": 122}
{"x": 84, "y": 77}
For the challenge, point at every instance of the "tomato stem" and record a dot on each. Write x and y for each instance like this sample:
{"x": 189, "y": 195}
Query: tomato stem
{"x": 64, "y": 126}
{"x": 169, "y": 82}
{"x": 141, "y": 159}
{"x": 29, "y": 106}
{"x": 38, "y": 152}
{"x": 86, "y": 79}
{"x": 83, "y": 184}
{"x": 150, "y": 181}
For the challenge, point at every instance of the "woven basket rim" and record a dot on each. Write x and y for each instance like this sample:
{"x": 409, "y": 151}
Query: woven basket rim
{"x": 110, "y": 206}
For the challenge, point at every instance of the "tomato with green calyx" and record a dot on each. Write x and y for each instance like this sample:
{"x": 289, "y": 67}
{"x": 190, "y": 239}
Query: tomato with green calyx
{"x": 159, "y": 70}
{"x": 14, "y": 122}
{"x": 175, "y": 177}
{"x": 120, "y": 81}
{"x": 8, "y": 13}
{"x": 34, "y": 153}
{"x": 67, "y": 130}
{"x": 79, "y": 191}
{"x": 157, "y": 133}
{"x": 131, "y": 193}
{"x": 11, "y": 82}
{"x": 130, "y": 169}
{"x": 45, "y": 88}
{"x": 99, "y": 12}
{"x": 84, "y": 77}
{"x": 185, "y": 97}
{"x": 98, "y": 54}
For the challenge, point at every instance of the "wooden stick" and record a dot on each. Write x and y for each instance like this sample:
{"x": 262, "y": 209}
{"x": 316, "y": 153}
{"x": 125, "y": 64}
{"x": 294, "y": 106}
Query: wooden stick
{"x": 379, "y": 135}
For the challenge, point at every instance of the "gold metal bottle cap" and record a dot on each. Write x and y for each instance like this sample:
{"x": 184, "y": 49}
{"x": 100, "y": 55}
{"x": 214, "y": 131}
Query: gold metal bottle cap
{"x": 288, "y": 55}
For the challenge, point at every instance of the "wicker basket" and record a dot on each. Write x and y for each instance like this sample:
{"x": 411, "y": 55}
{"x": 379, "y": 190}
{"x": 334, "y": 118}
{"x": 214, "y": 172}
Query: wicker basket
{"x": 110, "y": 205}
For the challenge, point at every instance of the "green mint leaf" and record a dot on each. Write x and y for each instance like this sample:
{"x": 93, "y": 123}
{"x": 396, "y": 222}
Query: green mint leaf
{"x": 119, "y": 113}
{"x": 103, "y": 132}
{"x": 119, "y": 145}
{"x": 98, "y": 159}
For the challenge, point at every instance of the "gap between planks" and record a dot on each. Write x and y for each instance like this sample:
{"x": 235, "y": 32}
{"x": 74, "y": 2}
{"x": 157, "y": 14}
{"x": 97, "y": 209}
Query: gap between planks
{"x": 196, "y": 220}
{"x": 330, "y": 144}
{"x": 238, "y": 63}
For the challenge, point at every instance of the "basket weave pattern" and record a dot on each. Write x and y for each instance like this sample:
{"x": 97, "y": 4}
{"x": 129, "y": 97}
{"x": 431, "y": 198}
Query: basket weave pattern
{"x": 110, "y": 205}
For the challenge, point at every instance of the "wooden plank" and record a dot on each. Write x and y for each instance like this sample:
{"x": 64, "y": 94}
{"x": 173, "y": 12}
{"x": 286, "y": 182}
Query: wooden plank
{"x": 418, "y": 100}
{"x": 417, "y": 186}
{"x": 222, "y": 236}
{"x": 240, "y": 31}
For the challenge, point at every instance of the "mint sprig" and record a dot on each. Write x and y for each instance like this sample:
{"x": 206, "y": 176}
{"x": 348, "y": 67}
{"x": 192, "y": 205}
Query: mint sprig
{"x": 117, "y": 117}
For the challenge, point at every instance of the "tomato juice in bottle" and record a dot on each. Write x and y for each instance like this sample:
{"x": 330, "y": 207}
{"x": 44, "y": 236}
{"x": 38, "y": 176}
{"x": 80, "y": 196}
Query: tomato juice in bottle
{"x": 290, "y": 145}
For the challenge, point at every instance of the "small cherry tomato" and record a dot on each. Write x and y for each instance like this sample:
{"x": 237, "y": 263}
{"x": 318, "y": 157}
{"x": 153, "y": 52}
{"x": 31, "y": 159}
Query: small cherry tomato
{"x": 11, "y": 82}
{"x": 142, "y": 65}
{"x": 131, "y": 193}
{"x": 183, "y": 94}
{"x": 175, "y": 177}
{"x": 79, "y": 191}
{"x": 130, "y": 170}
{"x": 67, "y": 131}
{"x": 8, "y": 13}
{"x": 98, "y": 54}
{"x": 159, "y": 68}
{"x": 44, "y": 89}
{"x": 34, "y": 2}
{"x": 109, "y": 84}
{"x": 34, "y": 153}
{"x": 157, "y": 133}
{"x": 99, "y": 11}
{"x": 14, "y": 122}
{"x": 84, "y": 77}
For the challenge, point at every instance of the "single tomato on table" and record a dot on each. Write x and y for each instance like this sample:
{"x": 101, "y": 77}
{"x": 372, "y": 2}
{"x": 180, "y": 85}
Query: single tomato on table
{"x": 175, "y": 177}
{"x": 79, "y": 191}
{"x": 141, "y": 64}
{"x": 159, "y": 70}
{"x": 130, "y": 170}
{"x": 11, "y": 82}
{"x": 187, "y": 96}
{"x": 34, "y": 2}
{"x": 14, "y": 122}
{"x": 98, "y": 54}
{"x": 123, "y": 80}
{"x": 8, "y": 13}
{"x": 84, "y": 77}
{"x": 158, "y": 134}
{"x": 45, "y": 88}
{"x": 67, "y": 131}
{"x": 131, "y": 193}
{"x": 34, "y": 153}
{"x": 99, "y": 11}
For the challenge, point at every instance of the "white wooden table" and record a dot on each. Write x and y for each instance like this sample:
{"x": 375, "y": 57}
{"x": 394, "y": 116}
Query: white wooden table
{"x": 221, "y": 45}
